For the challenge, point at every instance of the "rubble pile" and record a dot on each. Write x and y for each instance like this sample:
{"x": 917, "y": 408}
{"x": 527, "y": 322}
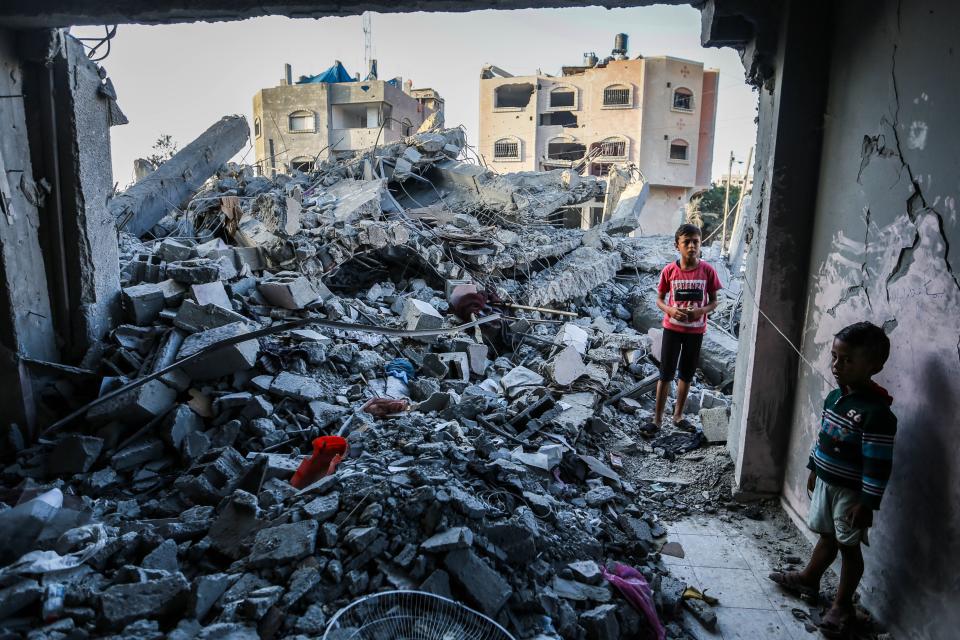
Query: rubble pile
{"x": 354, "y": 380}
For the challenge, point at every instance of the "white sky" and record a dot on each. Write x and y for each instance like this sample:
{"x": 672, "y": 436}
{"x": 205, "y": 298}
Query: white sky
{"x": 180, "y": 79}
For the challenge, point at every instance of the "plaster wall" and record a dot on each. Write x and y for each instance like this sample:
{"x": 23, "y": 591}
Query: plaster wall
{"x": 884, "y": 250}
{"x": 519, "y": 123}
{"x": 272, "y": 108}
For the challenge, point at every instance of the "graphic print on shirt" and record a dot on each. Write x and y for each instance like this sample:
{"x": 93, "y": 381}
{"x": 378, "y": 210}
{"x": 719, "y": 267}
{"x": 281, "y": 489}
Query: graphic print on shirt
{"x": 689, "y": 294}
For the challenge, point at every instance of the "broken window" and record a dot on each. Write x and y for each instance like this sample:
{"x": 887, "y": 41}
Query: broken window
{"x": 683, "y": 99}
{"x": 563, "y": 97}
{"x": 600, "y": 169}
{"x": 303, "y": 164}
{"x": 506, "y": 148}
{"x": 612, "y": 148}
{"x": 678, "y": 150}
{"x": 512, "y": 96}
{"x": 565, "y": 149}
{"x": 616, "y": 96}
{"x": 562, "y": 118}
{"x": 256, "y": 127}
{"x": 302, "y": 121}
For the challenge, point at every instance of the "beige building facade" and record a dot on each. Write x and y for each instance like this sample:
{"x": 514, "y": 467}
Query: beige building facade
{"x": 656, "y": 113}
{"x": 296, "y": 125}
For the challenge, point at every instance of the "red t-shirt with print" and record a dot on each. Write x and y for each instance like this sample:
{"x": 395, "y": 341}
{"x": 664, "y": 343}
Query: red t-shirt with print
{"x": 688, "y": 289}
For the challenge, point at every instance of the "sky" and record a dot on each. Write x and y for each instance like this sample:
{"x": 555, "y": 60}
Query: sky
{"x": 180, "y": 79}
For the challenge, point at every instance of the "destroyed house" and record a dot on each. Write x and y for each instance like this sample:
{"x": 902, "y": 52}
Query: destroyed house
{"x": 333, "y": 114}
{"x": 656, "y": 113}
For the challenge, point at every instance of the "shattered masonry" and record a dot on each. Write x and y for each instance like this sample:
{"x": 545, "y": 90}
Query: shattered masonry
{"x": 491, "y": 478}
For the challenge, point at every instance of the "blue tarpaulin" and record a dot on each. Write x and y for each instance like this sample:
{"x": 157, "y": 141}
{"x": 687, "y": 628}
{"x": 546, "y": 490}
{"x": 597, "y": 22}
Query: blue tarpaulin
{"x": 336, "y": 73}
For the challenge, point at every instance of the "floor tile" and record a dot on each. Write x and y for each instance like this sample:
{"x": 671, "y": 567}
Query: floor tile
{"x": 733, "y": 587}
{"x": 685, "y": 574}
{"x": 711, "y": 551}
{"x": 751, "y": 624}
{"x": 697, "y": 526}
{"x": 796, "y": 627}
{"x": 696, "y": 629}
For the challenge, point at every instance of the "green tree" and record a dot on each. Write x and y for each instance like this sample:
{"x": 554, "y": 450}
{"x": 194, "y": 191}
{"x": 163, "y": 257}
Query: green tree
{"x": 163, "y": 149}
{"x": 706, "y": 210}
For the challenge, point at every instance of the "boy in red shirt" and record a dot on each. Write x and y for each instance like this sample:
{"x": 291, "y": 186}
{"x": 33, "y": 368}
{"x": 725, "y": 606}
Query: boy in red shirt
{"x": 687, "y": 293}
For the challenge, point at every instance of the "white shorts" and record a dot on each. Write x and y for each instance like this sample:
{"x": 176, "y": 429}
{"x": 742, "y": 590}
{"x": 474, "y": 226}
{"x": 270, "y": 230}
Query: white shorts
{"x": 828, "y": 513}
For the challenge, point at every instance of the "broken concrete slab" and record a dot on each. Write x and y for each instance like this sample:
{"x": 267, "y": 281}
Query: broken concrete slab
{"x": 211, "y": 293}
{"x": 486, "y": 588}
{"x": 221, "y": 362}
{"x": 567, "y": 366}
{"x": 289, "y": 290}
{"x": 455, "y": 538}
{"x": 284, "y": 543}
{"x": 136, "y": 405}
{"x": 715, "y": 422}
{"x": 142, "y": 303}
{"x": 193, "y": 318}
{"x": 419, "y": 315}
{"x": 74, "y": 454}
{"x": 574, "y": 276}
{"x": 142, "y": 206}
{"x": 124, "y": 603}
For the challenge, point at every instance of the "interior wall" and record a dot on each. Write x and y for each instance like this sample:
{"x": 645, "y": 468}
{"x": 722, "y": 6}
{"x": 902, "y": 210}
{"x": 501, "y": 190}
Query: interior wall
{"x": 885, "y": 224}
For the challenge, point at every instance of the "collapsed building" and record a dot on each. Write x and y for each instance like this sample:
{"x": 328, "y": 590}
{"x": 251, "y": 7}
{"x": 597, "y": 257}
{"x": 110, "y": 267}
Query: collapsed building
{"x": 852, "y": 219}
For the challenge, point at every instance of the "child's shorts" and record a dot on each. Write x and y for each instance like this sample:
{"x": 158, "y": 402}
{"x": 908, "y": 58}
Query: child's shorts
{"x": 828, "y": 513}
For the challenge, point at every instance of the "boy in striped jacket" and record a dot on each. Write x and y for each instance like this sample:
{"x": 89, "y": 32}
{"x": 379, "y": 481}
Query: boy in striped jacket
{"x": 849, "y": 468}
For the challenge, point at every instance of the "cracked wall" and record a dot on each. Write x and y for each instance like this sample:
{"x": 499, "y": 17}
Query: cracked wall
{"x": 885, "y": 248}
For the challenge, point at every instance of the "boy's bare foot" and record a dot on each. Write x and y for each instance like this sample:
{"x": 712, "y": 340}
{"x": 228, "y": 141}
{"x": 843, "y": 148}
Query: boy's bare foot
{"x": 838, "y": 621}
{"x": 793, "y": 582}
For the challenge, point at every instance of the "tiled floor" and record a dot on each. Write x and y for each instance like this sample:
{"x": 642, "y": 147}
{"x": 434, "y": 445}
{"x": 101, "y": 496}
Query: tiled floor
{"x": 729, "y": 565}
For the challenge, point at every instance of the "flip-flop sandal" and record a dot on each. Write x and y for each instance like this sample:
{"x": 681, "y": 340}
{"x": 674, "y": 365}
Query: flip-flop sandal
{"x": 649, "y": 429}
{"x": 839, "y": 625}
{"x": 790, "y": 582}
{"x": 685, "y": 425}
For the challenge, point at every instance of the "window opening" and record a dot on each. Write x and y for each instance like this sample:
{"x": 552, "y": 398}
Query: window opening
{"x": 506, "y": 149}
{"x": 616, "y": 96}
{"x": 562, "y": 98}
{"x": 566, "y": 119}
{"x": 678, "y": 150}
{"x": 303, "y": 164}
{"x": 256, "y": 127}
{"x": 565, "y": 150}
{"x": 516, "y": 96}
{"x": 683, "y": 99}
{"x": 301, "y": 121}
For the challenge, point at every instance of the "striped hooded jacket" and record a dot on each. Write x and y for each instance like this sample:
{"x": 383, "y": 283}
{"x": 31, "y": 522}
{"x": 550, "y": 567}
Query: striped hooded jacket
{"x": 855, "y": 446}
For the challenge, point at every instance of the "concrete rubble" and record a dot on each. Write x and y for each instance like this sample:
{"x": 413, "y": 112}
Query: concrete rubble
{"x": 492, "y": 480}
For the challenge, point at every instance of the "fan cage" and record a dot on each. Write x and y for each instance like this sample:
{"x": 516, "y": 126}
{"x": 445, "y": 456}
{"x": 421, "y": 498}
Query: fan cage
{"x": 411, "y": 615}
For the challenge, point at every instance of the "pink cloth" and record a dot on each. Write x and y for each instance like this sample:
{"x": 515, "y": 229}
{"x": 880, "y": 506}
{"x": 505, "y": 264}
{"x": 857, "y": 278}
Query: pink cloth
{"x": 688, "y": 289}
{"x": 633, "y": 586}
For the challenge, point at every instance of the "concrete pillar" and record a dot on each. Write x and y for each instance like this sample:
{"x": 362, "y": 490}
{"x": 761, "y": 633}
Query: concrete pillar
{"x": 26, "y": 320}
{"x": 792, "y": 106}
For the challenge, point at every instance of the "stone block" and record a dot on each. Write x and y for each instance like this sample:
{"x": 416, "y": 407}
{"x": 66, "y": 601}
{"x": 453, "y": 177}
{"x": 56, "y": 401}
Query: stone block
{"x": 715, "y": 422}
{"x": 211, "y": 293}
{"x": 573, "y": 335}
{"x": 173, "y": 292}
{"x": 214, "y": 249}
{"x": 477, "y": 355}
{"x": 164, "y": 558}
{"x": 194, "y": 318}
{"x": 179, "y": 424}
{"x": 195, "y": 271}
{"x": 419, "y": 315}
{"x": 124, "y": 603}
{"x": 580, "y": 592}
{"x": 137, "y": 454}
{"x": 455, "y": 538}
{"x": 138, "y": 405}
{"x": 221, "y": 362}
{"x": 458, "y": 365}
{"x": 19, "y": 595}
{"x": 142, "y": 303}
{"x": 485, "y": 588}
{"x": 284, "y": 543}
{"x": 73, "y": 454}
{"x": 288, "y": 290}
{"x": 520, "y": 379}
{"x": 251, "y": 257}
{"x": 292, "y": 385}
{"x": 176, "y": 251}
{"x": 323, "y": 508}
{"x": 601, "y": 623}
{"x": 567, "y": 366}
{"x": 206, "y": 591}
{"x": 710, "y": 399}
{"x": 586, "y": 571}
{"x": 438, "y": 583}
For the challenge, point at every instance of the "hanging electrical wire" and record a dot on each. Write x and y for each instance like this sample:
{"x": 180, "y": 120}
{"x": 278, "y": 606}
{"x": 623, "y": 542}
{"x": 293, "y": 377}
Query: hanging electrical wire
{"x": 110, "y": 31}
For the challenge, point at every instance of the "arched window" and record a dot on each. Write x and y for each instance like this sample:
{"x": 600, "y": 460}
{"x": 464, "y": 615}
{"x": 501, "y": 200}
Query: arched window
{"x": 302, "y": 121}
{"x": 613, "y": 147}
{"x": 563, "y": 98}
{"x": 506, "y": 149}
{"x": 562, "y": 148}
{"x": 302, "y": 163}
{"x": 683, "y": 99}
{"x": 617, "y": 95}
{"x": 679, "y": 150}
{"x": 256, "y": 127}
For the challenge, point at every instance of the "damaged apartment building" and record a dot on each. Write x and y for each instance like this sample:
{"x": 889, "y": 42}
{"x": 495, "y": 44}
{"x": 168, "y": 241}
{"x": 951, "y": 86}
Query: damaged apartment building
{"x": 656, "y": 113}
{"x": 853, "y": 218}
{"x": 333, "y": 114}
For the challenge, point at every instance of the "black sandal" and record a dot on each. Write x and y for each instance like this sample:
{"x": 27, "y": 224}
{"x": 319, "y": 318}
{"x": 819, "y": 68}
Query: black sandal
{"x": 649, "y": 429}
{"x": 685, "y": 425}
{"x": 790, "y": 582}
{"x": 839, "y": 625}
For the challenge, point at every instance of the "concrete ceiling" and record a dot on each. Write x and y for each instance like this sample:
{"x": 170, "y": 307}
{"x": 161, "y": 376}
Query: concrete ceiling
{"x": 21, "y": 14}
